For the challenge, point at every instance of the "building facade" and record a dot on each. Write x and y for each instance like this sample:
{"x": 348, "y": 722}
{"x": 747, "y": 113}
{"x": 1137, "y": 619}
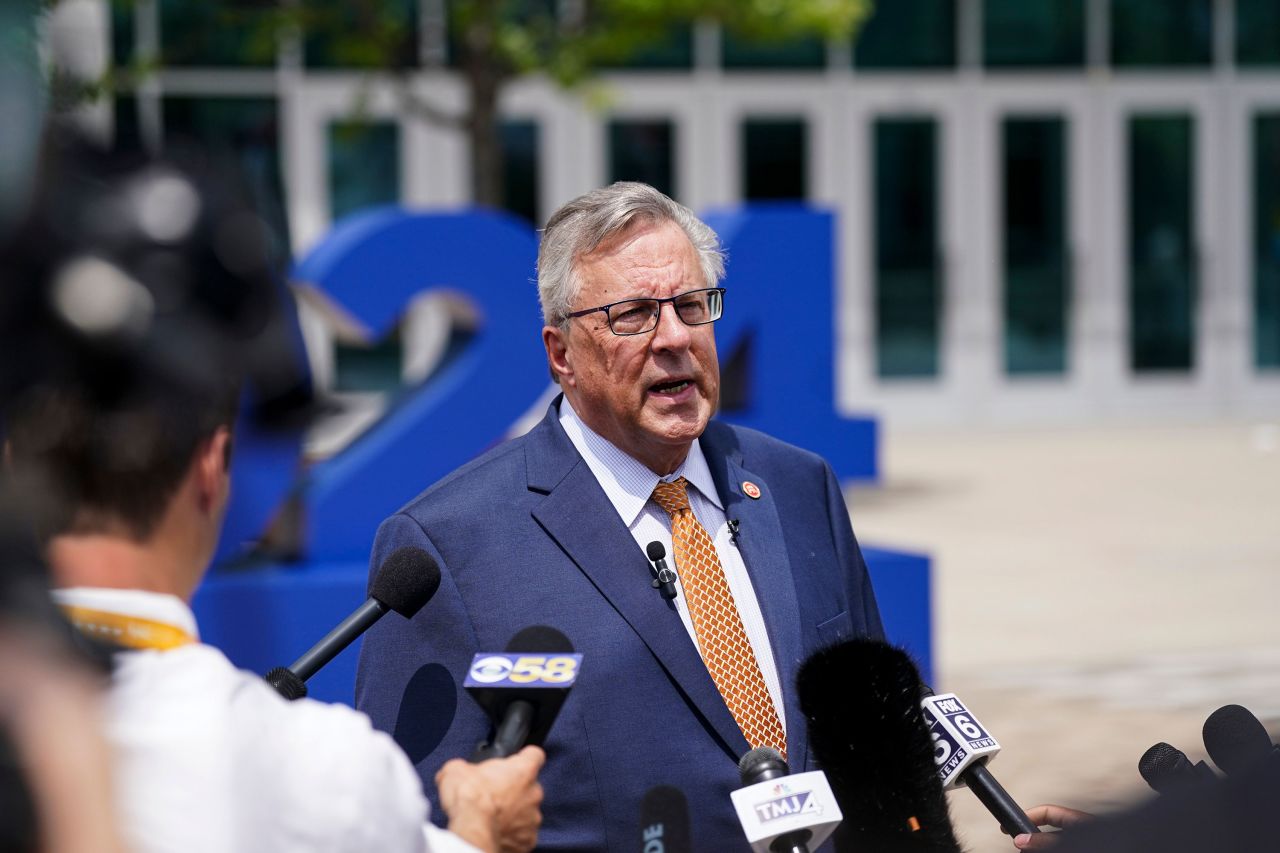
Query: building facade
{"x": 1049, "y": 210}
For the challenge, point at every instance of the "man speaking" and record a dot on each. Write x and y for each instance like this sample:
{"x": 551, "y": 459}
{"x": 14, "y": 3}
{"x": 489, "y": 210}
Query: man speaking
{"x": 553, "y": 528}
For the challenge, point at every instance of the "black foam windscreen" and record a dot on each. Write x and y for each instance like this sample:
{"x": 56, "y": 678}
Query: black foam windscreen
{"x": 1235, "y": 738}
{"x": 760, "y": 765}
{"x": 861, "y": 700}
{"x": 540, "y": 638}
{"x": 406, "y": 580}
{"x": 655, "y": 551}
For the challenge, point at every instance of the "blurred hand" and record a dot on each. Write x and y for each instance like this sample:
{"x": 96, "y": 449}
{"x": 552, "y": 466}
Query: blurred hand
{"x": 494, "y": 805}
{"x": 1048, "y": 815}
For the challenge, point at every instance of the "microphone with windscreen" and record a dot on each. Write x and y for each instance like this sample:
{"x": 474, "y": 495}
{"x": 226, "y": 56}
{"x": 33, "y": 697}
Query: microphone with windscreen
{"x": 867, "y": 730}
{"x": 522, "y": 688}
{"x": 1167, "y": 769}
{"x": 1235, "y": 739}
{"x": 405, "y": 582}
{"x": 664, "y": 577}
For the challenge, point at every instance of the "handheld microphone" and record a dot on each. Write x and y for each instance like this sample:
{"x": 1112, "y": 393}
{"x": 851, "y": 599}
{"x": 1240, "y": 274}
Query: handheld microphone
{"x": 1167, "y": 769}
{"x": 861, "y": 700}
{"x": 1235, "y": 739}
{"x": 783, "y": 815}
{"x": 405, "y": 582}
{"x": 664, "y": 579}
{"x": 522, "y": 688}
{"x": 962, "y": 751}
{"x": 664, "y": 821}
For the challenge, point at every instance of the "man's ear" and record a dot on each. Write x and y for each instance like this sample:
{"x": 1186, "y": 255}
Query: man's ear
{"x": 558, "y": 359}
{"x": 212, "y": 467}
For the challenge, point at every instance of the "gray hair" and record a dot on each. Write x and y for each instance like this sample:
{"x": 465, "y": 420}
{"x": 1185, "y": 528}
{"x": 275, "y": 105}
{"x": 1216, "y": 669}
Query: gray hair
{"x": 580, "y": 226}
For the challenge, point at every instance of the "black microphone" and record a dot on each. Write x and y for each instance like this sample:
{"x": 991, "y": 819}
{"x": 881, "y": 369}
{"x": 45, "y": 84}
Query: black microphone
{"x": 1167, "y": 769}
{"x": 867, "y": 730}
{"x": 523, "y": 689}
{"x": 734, "y": 527}
{"x": 405, "y": 582}
{"x": 664, "y": 579}
{"x": 1235, "y": 739}
{"x": 955, "y": 731}
{"x": 664, "y": 821}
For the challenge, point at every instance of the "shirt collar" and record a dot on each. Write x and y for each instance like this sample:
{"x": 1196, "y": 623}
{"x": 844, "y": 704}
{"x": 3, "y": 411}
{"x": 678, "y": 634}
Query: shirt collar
{"x": 156, "y": 606}
{"x": 628, "y": 482}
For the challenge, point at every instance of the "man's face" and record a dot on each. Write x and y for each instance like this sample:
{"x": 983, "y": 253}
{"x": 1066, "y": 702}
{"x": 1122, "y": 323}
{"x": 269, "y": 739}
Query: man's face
{"x": 650, "y": 394}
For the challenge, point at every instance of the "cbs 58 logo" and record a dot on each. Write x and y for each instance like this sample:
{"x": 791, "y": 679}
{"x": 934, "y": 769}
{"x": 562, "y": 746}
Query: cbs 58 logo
{"x": 525, "y": 669}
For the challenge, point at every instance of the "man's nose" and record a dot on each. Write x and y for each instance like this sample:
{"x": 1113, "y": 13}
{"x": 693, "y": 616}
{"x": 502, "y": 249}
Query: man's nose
{"x": 672, "y": 333}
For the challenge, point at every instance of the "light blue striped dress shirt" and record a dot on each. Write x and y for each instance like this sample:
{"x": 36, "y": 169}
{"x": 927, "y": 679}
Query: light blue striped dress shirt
{"x": 629, "y": 484}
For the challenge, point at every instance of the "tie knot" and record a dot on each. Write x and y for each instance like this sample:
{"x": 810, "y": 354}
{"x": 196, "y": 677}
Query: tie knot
{"x": 673, "y": 496}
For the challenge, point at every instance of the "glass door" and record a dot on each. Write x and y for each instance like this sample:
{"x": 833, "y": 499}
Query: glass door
{"x": 1162, "y": 263}
{"x": 1035, "y": 259}
{"x": 907, "y": 255}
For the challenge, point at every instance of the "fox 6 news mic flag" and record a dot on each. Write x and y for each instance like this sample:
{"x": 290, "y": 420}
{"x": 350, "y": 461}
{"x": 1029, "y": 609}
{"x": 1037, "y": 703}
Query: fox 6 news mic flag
{"x": 786, "y": 804}
{"x": 959, "y": 739}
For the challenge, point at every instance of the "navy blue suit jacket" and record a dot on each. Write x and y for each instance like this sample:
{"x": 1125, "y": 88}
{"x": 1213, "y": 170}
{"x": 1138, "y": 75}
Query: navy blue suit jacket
{"x": 526, "y": 536}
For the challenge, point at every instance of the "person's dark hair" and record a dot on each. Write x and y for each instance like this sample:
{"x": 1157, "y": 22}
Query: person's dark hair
{"x": 91, "y": 467}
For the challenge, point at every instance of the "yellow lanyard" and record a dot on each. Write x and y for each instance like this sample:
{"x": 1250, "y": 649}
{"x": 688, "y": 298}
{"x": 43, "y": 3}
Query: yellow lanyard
{"x": 131, "y": 632}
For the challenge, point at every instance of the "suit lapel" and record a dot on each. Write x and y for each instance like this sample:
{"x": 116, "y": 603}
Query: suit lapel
{"x": 762, "y": 545}
{"x": 606, "y": 553}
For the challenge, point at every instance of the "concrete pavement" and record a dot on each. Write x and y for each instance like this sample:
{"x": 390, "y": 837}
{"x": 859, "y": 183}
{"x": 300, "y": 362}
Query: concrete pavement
{"x": 1096, "y": 590}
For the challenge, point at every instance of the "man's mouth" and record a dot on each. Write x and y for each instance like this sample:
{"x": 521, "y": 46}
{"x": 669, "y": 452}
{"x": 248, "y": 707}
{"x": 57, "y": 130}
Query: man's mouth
{"x": 675, "y": 386}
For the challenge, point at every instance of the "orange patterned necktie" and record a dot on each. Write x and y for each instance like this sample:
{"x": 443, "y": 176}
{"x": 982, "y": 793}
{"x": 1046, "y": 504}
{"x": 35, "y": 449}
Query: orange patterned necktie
{"x": 725, "y": 648}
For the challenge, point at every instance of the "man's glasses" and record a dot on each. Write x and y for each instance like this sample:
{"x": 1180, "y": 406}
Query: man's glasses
{"x": 637, "y": 316}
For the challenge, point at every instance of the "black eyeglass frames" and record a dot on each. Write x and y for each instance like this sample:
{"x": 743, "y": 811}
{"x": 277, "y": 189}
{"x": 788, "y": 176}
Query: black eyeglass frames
{"x": 637, "y": 316}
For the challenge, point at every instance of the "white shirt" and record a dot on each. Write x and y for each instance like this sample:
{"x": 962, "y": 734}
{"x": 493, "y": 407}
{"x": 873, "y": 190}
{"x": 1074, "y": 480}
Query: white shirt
{"x": 629, "y": 484}
{"x": 208, "y": 757}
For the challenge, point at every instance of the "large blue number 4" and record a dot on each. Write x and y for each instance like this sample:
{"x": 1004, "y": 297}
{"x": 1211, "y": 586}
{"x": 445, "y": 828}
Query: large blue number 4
{"x": 779, "y": 332}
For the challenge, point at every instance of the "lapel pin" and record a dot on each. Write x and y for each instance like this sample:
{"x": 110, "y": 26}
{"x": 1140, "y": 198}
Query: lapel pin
{"x": 751, "y": 490}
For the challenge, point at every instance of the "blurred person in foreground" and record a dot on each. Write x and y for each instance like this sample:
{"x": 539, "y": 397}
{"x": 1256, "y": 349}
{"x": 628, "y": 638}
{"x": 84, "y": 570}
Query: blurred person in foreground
{"x": 1228, "y": 813}
{"x": 121, "y": 442}
{"x": 55, "y": 770}
{"x": 552, "y": 528}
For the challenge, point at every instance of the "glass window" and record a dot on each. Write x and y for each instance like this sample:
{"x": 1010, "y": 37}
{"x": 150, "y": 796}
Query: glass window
{"x": 1033, "y": 33}
{"x": 1161, "y": 32}
{"x": 674, "y": 49}
{"x": 908, "y": 273}
{"x": 535, "y": 17}
{"x": 520, "y": 169}
{"x": 1036, "y": 273}
{"x": 369, "y": 367}
{"x": 364, "y": 166}
{"x": 1162, "y": 257}
{"x": 1258, "y": 32}
{"x": 226, "y": 33}
{"x": 1266, "y": 241}
{"x": 774, "y": 158}
{"x": 246, "y": 131}
{"x": 798, "y": 54}
{"x": 370, "y": 34}
{"x": 908, "y": 34}
{"x": 642, "y": 151}
{"x": 128, "y": 124}
{"x": 122, "y": 42}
